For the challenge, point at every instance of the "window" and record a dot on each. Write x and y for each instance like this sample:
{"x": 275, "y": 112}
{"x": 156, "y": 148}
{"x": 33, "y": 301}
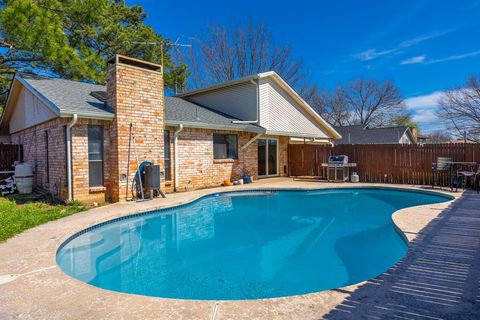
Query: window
{"x": 225, "y": 146}
{"x": 166, "y": 153}
{"x": 95, "y": 156}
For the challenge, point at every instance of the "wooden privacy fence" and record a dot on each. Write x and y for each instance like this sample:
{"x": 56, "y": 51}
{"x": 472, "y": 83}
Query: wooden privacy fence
{"x": 389, "y": 163}
{"x": 9, "y": 153}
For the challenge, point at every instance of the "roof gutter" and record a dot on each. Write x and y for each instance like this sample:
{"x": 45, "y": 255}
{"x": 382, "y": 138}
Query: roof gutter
{"x": 257, "y": 102}
{"x": 175, "y": 150}
{"x": 87, "y": 115}
{"x": 69, "y": 156}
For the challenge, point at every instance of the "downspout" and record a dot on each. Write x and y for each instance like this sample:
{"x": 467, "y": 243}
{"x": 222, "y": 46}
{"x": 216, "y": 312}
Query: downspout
{"x": 257, "y": 103}
{"x": 69, "y": 156}
{"x": 175, "y": 150}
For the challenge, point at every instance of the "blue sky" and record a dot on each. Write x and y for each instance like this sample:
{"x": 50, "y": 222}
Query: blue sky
{"x": 423, "y": 46}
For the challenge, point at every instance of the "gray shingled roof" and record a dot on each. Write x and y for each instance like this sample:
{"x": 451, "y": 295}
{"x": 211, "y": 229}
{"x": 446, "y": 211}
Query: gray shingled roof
{"x": 179, "y": 110}
{"x": 360, "y": 135}
{"x": 75, "y": 97}
{"x": 70, "y": 96}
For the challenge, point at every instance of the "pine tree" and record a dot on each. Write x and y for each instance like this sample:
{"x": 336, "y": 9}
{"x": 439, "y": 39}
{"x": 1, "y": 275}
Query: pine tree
{"x": 73, "y": 39}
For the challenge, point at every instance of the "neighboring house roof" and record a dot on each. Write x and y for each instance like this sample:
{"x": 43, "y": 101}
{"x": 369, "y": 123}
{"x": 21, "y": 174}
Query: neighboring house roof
{"x": 181, "y": 111}
{"x": 68, "y": 97}
{"x": 360, "y": 134}
{"x": 280, "y": 82}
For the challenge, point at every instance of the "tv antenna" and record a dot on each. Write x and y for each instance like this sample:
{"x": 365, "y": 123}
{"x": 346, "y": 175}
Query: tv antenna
{"x": 175, "y": 45}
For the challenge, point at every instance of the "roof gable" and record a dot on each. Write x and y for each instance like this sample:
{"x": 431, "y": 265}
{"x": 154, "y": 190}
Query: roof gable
{"x": 61, "y": 97}
{"x": 70, "y": 97}
{"x": 273, "y": 76}
{"x": 29, "y": 111}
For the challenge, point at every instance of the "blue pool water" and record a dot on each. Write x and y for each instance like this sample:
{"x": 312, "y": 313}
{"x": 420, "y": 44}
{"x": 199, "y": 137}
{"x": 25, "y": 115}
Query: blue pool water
{"x": 246, "y": 245}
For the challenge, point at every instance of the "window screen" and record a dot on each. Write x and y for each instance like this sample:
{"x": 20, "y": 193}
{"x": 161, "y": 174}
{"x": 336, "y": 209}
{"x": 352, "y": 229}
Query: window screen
{"x": 225, "y": 146}
{"x": 95, "y": 156}
{"x": 167, "y": 156}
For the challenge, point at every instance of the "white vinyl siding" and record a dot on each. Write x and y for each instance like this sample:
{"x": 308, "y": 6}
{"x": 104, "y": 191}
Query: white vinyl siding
{"x": 239, "y": 101}
{"x": 405, "y": 139}
{"x": 281, "y": 114}
{"x": 264, "y": 103}
{"x": 29, "y": 111}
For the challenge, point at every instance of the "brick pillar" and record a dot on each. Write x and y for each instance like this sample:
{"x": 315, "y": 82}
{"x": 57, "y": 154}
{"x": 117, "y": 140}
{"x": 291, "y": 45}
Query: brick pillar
{"x": 135, "y": 91}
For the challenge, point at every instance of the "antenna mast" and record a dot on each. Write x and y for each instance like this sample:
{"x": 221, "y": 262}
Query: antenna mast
{"x": 175, "y": 45}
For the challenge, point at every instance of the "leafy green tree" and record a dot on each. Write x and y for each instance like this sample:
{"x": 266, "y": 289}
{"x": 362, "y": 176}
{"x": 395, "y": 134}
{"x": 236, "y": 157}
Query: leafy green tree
{"x": 405, "y": 120}
{"x": 74, "y": 38}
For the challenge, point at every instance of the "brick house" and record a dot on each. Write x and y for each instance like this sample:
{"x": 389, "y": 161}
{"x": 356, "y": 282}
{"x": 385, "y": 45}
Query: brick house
{"x": 199, "y": 138}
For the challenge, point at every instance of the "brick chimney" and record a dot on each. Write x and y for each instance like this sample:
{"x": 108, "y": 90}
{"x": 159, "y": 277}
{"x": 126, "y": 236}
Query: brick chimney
{"x": 135, "y": 92}
{"x": 414, "y": 134}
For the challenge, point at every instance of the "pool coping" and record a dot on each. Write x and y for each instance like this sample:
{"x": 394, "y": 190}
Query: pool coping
{"x": 313, "y": 304}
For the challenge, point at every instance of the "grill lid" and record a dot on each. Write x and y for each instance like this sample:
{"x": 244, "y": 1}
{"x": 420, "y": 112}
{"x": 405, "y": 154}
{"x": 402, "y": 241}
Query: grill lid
{"x": 339, "y": 159}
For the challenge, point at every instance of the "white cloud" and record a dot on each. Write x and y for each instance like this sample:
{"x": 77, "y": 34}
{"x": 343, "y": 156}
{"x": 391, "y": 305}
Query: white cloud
{"x": 371, "y": 54}
{"x": 411, "y": 42}
{"x": 425, "y": 116}
{"x": 423, "y": 109}
{"x": 414, "y": 60}
{"x": 424, "y": 102}
{"x": 455, "y": 57}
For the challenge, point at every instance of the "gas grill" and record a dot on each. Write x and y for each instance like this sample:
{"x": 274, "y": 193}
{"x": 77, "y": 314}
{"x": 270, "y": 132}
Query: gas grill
{"x": 338, "y": 168}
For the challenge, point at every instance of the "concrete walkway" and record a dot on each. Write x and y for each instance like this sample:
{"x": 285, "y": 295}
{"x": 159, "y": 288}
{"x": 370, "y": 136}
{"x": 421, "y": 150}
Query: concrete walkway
{"x": 438, "y": 279}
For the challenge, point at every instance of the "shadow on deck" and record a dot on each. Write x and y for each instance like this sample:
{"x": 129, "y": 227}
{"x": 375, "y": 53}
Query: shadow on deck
{"x": 439, "y": 278}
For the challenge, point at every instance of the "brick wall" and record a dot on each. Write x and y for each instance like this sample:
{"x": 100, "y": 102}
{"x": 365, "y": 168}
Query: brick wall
{"x": 80, "y": 173}
{"x": 35, "y": 153}
{"x": 136, "y": 94}
{"x": 283, "y": 156}
{"x": 55, "y": 179}
{"x": 198, "y": 169}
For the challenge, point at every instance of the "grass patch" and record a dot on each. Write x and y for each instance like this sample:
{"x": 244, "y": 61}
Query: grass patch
{"x": 17, "y": 215}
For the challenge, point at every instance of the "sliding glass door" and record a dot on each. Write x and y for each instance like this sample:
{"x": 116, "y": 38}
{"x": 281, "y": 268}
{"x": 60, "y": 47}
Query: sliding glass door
{"x": 267, "y": 157}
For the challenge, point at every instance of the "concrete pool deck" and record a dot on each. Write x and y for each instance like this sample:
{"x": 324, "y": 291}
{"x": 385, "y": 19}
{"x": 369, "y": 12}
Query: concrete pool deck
{"x": 439, "y": 278}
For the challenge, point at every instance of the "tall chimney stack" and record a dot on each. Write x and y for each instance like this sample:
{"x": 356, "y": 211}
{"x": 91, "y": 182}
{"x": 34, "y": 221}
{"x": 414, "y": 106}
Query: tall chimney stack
{"x": 135, "y": 92}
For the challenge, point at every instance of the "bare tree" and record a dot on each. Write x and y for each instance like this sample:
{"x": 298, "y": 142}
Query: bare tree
{"x": 372, "y": 103}
{"x": 228, "y": 53}
{"x": 364, "y": 102}
{"x": 438, "y": 136}
{"x": 332, "y": 107}
{"x": 461, "y": 108}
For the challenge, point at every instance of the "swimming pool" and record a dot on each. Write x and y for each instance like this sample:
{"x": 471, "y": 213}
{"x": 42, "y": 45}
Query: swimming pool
{"x": 246, "y": 244}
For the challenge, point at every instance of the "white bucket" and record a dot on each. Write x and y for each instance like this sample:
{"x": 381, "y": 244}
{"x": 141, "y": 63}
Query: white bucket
{"x": 24, "y": 178}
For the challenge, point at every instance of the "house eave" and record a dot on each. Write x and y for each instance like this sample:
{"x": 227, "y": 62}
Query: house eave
{"x": 87, "y": 115}
{"x": 197, "y": 125}
{"x": 296, "y": 135}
